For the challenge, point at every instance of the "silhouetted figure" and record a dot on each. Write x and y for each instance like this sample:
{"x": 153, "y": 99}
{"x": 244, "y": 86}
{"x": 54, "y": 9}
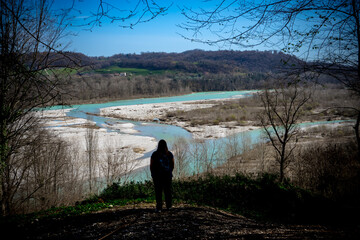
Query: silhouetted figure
{"x": 161, "y": 167}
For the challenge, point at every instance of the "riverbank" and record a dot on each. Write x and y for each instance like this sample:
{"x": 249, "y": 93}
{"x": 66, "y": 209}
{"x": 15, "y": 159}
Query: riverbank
{"x": 163, "y": 112}
{"x": 108, "y": 143}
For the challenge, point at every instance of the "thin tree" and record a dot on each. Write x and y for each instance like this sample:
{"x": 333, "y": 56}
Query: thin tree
{"x": 282, "y": 109}
{"x": 180, "y": 148}
{"x": 29, "y": 36}
{"x": 31, "y": 43}
{"x": 91, "y": 141}
{"x": 324, "y": 34}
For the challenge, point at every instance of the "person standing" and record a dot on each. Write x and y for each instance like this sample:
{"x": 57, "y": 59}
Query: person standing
{"x": 161, "y": 167}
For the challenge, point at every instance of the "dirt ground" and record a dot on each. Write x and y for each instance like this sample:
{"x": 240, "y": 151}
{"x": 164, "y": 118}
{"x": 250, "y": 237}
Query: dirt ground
{"x": 181, "y": 222}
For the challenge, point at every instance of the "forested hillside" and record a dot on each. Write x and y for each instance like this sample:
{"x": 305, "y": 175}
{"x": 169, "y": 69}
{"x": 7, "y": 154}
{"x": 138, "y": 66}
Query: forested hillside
{"x": 161, "y": 74}
{"x": 194, "y": 61}
{"x": 198, "y": 61}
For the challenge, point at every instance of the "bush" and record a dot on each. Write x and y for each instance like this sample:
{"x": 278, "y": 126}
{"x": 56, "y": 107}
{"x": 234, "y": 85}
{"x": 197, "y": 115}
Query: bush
{"x": 262, "y": 198}
{"x": 232, "y": 117}
{"x": 128, "y": 191}
{"x": 331, "y": 170}
{"x": 216, "y": 122}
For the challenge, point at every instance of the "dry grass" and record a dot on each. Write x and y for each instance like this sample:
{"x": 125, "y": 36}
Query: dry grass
{"x": 86, "y": 125}
{"x": 242, "y": 111}
{"x": 326, "y": 104}
{"x": 324, "y": 161}
{"x": 139, "y": 150}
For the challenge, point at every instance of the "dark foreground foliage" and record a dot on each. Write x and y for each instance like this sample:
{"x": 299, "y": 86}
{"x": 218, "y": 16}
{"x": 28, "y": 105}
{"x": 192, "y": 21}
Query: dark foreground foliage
{"x": 262, "y": 199}
{"x": 271, "y": 210}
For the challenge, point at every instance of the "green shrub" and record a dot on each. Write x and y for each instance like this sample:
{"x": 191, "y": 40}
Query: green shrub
{"x": 260, "y": 198}
{"x": 232, "y": 117}
{"x": 131, "y": 190}
{"x": 216, "y": 122}
{"x": 263, "y": 198}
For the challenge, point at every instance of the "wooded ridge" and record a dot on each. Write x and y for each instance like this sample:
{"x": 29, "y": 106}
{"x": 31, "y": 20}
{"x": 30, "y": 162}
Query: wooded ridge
{"x": 162, "y": 74}
{"x": 194, "y": 61}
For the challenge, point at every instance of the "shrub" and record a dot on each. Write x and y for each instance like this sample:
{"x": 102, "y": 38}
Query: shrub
{"x": 331, "y": 170}
{"x": 128, "y": 191}
{"x": 260, "y": 198}
{"x": 232, "y": 117}
{"x": 216, "y": 122}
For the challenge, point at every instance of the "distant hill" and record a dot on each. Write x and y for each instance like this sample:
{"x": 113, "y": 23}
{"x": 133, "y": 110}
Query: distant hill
{"x": 194, "y": 61}
{"x": 123, "y": 76}
{"x": 206, "y": 61}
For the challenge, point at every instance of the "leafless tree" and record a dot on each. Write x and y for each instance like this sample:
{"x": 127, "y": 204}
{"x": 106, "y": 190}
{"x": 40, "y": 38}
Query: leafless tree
{"x": 49, "y": 162}
{"x": 118, "y": 164}
{"x": 91, "y": 141}
{"x": 203, "y": 155}
{"x": 211, "y": 152}
{"x": 127, "y": 14}
{"x": 74, "y": 187}
{"x": 232, "y": 146}
{"x": 245, "y": 143}
{"x": 325, "y": 34}
{"x": 111, "y": 166}
{"x": 282, "y": 109}
{"x": 261, "y": 155}
{"x": 197, "y": 156}
{"x": 321, "y": 30}
{"x": 181, "y": 148}
{"x": 330, "y": 169}
{"x": 31, "y": 42}
{"x": 41, "y": 174}
{"x": 29, "y": 35}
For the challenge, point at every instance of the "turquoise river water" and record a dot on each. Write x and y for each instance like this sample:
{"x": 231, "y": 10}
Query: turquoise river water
{"x": 164, "y": 131}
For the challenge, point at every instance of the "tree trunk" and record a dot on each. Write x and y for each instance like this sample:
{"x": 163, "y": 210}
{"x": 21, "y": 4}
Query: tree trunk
{"x": 4, "y": 169}
{"x": 5, "y": 188}
{"x": 281, "y": 177}
{"x": 357, "y": 134}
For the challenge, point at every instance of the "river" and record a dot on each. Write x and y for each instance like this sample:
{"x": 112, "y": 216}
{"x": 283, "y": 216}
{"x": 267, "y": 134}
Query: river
{"x": 155, "y": 130}
{"x": 164, "y": 131}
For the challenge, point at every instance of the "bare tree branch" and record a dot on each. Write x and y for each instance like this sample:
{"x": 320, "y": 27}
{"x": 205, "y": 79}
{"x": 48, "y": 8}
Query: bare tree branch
{"x": 279, "y": 119}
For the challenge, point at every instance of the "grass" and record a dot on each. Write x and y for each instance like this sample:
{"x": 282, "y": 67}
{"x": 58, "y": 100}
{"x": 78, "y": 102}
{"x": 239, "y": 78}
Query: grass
{"x": 61, "y": 71}
{"x": 263, "y": 199}
{"x": 246, "y": 111}
{"x": 238, "y": 110}
{"x": 108, "y": 70}
{"x": 135, "y": 71}
{"x": 90, "y": 205}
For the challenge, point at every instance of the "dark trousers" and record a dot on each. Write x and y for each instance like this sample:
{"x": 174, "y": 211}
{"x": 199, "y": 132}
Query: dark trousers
{"x": 163, "y": 184}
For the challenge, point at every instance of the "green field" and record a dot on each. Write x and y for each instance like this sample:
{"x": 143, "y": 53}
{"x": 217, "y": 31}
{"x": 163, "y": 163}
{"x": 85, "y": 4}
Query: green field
{"x": 110, "y": 69}
{"x": 59, "y": 71}
{"x": 135, "y": 71}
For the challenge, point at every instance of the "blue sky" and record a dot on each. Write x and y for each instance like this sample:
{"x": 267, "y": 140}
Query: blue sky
{"x": 162, "y": 34}
{"x": 159, "y": 35}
